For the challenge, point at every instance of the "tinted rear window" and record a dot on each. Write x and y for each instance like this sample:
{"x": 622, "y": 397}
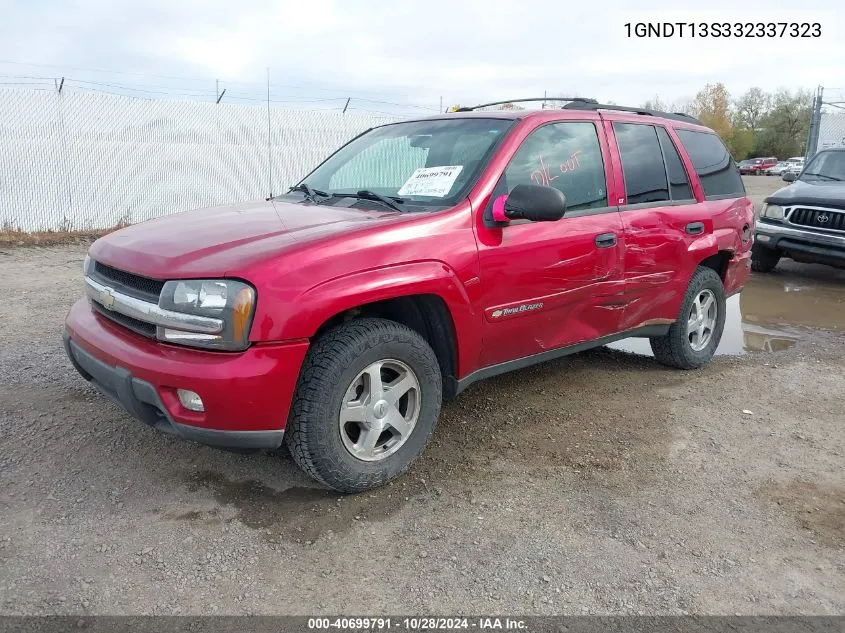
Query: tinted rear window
{"x": 674, "y": 167}
{"x": 713, "y": 164}
{"x": 642, "y": 163}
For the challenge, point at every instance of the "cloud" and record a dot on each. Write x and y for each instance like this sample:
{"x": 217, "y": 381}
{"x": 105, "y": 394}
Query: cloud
{"x": 417, "y": 52}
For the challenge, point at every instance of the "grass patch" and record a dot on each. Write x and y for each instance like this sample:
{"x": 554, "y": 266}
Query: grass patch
{"x": 17, "y": 237}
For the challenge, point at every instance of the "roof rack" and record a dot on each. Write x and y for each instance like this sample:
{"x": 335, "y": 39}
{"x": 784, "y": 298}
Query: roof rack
{"x": 495, "y": 103}
{"x": 584, "y": 103}
{"x": 593, "y": 105}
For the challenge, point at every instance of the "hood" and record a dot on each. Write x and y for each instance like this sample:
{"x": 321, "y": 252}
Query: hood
{"x": 818, "y": 193}
{"x": 217, "y": 240}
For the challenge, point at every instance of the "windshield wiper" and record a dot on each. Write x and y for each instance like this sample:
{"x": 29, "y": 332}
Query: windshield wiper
{"x": 310, "y": 194}
{"x": 809, "y": 173}
{"x": 365, "y": 194}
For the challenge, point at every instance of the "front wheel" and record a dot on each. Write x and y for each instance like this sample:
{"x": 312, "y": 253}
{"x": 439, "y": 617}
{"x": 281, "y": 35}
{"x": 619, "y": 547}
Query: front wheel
{"x": 367, "y": 401}
{"x": 693, "y": 338}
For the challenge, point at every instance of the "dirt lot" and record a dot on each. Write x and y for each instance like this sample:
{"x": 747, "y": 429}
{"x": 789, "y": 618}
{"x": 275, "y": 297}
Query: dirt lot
{"x": 602, "y": 483}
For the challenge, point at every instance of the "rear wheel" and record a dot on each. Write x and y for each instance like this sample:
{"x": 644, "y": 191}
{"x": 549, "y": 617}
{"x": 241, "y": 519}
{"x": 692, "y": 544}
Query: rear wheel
{"x": 693, "y": 338}
{"x": 367, "y": 401}
{"x": 763, "y": 260}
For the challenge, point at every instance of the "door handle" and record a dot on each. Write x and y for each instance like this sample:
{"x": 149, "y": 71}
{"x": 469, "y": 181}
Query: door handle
{"x": 695, "y": 228}
{"x": 606, "y": 240}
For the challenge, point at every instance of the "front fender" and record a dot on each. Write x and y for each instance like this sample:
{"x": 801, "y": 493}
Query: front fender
{"x": 319, "y": 303}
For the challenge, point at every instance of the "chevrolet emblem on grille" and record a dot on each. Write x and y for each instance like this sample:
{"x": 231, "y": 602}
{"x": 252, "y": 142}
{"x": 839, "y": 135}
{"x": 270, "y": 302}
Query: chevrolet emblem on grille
{"x": 823, "y": 218}
{"x": 107, "y": 298}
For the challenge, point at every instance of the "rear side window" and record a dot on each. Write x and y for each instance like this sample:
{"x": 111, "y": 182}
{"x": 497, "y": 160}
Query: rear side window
{"x": 678, "y": 181}
{"x": 713, "y": 164}
{"x": 642, "y": 163}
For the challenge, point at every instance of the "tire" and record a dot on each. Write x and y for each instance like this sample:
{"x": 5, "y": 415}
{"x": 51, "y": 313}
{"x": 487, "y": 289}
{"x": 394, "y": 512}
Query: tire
{"x": 763, "y": 260}
{"x": 678, "y": 348}
{"x": 334, "y": 371}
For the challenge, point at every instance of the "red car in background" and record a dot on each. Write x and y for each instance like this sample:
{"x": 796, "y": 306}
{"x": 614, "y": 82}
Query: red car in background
{"x": 757, "y": 166}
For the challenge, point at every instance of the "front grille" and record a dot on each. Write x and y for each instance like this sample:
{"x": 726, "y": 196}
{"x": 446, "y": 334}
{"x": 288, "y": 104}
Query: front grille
{"x": 818, "y": 218}
{"x": 137, "y": 326}
{"x": 128, "y": 283}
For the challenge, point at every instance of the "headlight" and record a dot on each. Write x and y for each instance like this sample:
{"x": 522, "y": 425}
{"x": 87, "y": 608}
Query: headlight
{"x": 86, "y": 265}
{"x": 231, "y": 301}
{"x": 773, "y": 211}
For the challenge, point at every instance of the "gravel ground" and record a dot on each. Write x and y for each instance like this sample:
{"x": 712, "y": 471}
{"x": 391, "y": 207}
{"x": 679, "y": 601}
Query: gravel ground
{"x": 600, "y": 483}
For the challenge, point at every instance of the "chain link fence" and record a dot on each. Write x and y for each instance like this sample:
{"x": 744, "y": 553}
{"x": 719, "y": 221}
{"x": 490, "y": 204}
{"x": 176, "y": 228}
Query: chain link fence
{"x": 827, "y": 125}
{"x": 831, "y": 130}
{"x": 83, "y": 161}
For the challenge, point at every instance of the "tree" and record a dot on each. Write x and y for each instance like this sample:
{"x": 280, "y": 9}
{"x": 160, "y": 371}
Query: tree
{"x": 683, "y": 105}
{"x": 656, "y": 104}
{"x": 752, "y": 107}
{"x": 783, "y": 131}
{"x": 712, "y": 107}
{"x": 741, "y": 143}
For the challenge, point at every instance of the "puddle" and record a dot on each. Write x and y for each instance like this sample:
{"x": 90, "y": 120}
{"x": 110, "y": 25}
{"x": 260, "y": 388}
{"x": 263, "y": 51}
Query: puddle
{"x": 296, "y": 513}
{"x": 772, "y": 313}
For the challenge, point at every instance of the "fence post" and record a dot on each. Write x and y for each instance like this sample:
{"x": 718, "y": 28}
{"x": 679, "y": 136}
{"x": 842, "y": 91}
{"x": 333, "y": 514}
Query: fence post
{"x": 269, "y": 138}
{"x": 815, "y": 123}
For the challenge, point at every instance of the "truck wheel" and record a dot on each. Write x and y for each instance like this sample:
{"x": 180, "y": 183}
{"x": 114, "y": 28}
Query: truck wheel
{"x": 693, "y": 338}
{"x": 366, "y": 404}
{"x": 763, "y": 260}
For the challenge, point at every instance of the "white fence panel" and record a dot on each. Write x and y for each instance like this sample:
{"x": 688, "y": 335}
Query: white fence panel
{"x": 831, "y": 130}
{"x": 81, "y": 160}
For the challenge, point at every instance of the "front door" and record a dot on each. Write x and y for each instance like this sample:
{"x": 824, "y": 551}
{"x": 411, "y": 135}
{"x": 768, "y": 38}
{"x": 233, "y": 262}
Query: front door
{"x": 547, "y": 285}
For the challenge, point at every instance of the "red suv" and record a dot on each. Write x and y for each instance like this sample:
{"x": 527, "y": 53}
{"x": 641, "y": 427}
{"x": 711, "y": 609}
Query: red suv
{"x": 417, "y": 259}
{"x": 757, "y": 166}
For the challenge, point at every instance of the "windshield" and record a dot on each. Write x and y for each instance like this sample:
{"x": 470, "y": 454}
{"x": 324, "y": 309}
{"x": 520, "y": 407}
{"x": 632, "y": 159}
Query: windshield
{"x": 424, "y": 163}
{"x": 825, "y": 166}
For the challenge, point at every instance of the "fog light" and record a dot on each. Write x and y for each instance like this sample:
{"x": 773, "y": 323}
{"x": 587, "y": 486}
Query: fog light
{"x": 762, "y": 238}
{"x": 190, "y": 400}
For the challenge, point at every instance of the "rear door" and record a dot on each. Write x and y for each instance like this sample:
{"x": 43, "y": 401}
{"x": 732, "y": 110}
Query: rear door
{"x": 661, "y": 218}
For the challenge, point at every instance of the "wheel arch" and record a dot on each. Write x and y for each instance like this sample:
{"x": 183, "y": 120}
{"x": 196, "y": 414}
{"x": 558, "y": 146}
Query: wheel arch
{"x": 427, "y": 314}
{"x": 718, "y": 262}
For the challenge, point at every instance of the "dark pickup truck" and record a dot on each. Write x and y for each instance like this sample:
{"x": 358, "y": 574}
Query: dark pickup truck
{"x": 805, "y": 221}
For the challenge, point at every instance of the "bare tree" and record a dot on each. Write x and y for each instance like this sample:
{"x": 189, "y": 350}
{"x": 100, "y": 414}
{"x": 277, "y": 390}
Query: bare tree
{"x": 655, "y": 103}
{"x": 751, "y": 107}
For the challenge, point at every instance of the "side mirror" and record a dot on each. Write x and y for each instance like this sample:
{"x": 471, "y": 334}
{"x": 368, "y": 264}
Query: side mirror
{"x": 530, "y": 202}
{"x": 789, "y": 176}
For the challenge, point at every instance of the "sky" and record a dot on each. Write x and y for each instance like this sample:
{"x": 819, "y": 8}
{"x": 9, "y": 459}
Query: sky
{"x": 392, "y": 55}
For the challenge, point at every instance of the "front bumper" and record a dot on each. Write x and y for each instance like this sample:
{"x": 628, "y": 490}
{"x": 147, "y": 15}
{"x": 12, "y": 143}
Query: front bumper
{"x": 246, "y": 395}
{"x": 800, "y": 243}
